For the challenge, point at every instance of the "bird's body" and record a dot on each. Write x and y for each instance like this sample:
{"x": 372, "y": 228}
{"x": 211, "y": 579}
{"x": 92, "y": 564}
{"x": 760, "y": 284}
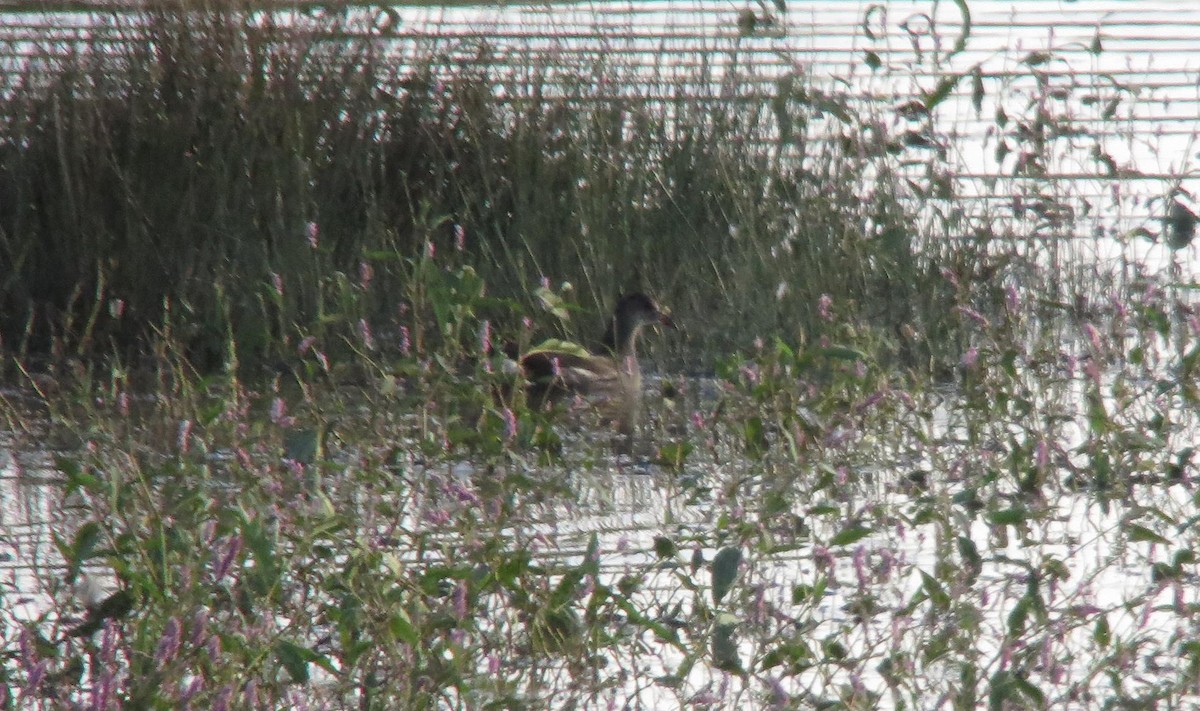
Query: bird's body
{"x": 610, "y": 382}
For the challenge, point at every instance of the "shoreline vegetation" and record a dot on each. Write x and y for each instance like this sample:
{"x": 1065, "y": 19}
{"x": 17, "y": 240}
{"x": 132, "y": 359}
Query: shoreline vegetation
{"x": 239, "y": 186}
{"x": 254, "y": 331}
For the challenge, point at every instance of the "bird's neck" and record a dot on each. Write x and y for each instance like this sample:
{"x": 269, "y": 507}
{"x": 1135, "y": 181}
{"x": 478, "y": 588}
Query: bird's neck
{"x": 621, "y": 338}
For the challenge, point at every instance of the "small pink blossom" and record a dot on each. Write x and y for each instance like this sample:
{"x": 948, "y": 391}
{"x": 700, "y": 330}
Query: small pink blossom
{"x": 1012, "y": 300}
{"x": 460, "y": 238}
{"x": 458, "y": 600}
{"x": 510, "y": 424}
{"x": 277, "y": 283}
{"x": 364, "y": 333}
{"x": 278, "y": 410}
{"x": 485, "y": 337}
{"x": 227, "y": 558}
{"x": 199, "y": 626}
{"x": 305, "y": 344}
{"x": 365, "y": 273}
{"x": 1041, "y": 454}
{"x": 36, "y": 675}
{"x": 825, "y": 307}
{"x": 430, "y": 249}
{"x": 970, "y": 357}
{"x": 405, "y": 341}
{"x": 168, "y": 644}
{"x": 194, "y": 687}
{"x": 973, "y": 315}
{"x": 116, "y": 307}
{"x": 311, "y": 231}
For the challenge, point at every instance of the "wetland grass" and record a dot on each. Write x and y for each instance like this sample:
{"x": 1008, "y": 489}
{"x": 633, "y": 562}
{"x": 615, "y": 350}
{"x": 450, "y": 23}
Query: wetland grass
{"x": 268, "y": 293}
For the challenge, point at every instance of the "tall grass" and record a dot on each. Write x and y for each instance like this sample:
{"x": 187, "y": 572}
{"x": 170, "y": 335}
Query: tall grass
{"x": 234, "y": 176}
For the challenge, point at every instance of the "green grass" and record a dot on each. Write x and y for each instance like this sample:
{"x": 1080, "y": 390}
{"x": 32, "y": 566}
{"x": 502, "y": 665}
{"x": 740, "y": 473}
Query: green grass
{"x": 176, "y": 180}
{"x": 255, "y": 319}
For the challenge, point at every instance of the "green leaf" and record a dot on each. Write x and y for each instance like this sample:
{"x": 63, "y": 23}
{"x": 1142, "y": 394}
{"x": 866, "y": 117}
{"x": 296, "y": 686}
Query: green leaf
{"x": 1008, "y": 517}
{"x": 724, "y": 644}
{"x": 941, "y": 91}
{"x": 1141, "y": 534}
{"x": 553, "y": 303}
{"x": 937, "y": 594}
{"x": 754, "y": 432}
{"x": 673, "y": 454}
{"x": 724, "y": 571}
{"x": 961, "y": 43}
{"x": 294, "y": 659}
{"x": 664, "y": 547}
{"x": 850, "y": 535}
{"x": 842, "y": 353}
{"x": 82, "y": 548}
{"x": 554, "y": 345}
{"x": 403, "y": 629}
{"x": 1101, "y": 632}
{"x": 1016, "y": 618}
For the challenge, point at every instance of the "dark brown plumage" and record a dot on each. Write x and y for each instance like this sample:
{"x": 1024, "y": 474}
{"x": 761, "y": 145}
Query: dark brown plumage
{"x": 611, "y": 381}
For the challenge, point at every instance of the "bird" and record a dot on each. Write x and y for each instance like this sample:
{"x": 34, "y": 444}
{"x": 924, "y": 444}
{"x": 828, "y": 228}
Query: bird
{"x": 611, "y": 381}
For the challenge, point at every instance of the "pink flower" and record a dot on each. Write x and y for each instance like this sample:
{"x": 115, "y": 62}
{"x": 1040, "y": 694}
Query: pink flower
{"x": 311, "y": 231}
{"x": 1012, "y": 299}
{"x": 510, "y": 424}
{"x": 430, "y": 249}
{"x": 364, "y": 332}
{"x": 405, "y": 341}
{"x": 277, "y": 282}
{"x": 168, "y": 644}
{"x": 824, "y": 307}
{"x": 460, "y": 238}
{"x": 485, "y": 337}
{"x": 1041, "y": 454}
{"x": 226, "y": 560}
{"x": 365, "y": 273}
{"x": 970, "y": 357}
{"x": 458, "y": 600}
{"x": 973, "y": 315}
{"x": 278, "y": 410}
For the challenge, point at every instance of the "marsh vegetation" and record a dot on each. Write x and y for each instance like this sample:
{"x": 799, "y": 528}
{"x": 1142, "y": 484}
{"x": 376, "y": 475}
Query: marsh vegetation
{"x": 256, "y": 392}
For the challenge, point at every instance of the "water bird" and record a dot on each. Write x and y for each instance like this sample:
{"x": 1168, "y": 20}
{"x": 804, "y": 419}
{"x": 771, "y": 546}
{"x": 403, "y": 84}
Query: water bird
{"x": 611, "y": 381}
